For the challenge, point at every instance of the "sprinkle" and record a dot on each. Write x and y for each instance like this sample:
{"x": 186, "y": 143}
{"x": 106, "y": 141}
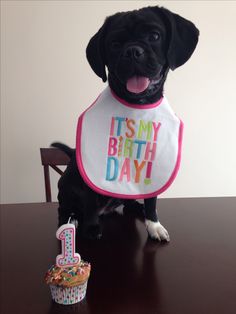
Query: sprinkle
{"x": 58, "y": 276}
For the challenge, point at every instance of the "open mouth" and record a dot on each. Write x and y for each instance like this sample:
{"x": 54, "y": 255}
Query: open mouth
{"x": 139, "y": 84}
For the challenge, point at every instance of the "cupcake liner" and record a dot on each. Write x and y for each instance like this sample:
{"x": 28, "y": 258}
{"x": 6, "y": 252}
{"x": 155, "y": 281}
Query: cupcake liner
{"x": 68, "y": 295}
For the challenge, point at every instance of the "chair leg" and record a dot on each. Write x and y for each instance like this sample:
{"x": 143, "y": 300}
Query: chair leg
{"x": 47, "y": 184}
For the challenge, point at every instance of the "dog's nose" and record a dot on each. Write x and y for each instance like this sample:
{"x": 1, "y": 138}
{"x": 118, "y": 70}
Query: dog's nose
{"x": 134, "y": 52}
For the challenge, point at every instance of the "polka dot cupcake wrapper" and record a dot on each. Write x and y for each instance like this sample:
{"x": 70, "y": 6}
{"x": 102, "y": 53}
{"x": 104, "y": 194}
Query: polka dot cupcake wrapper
{"x": 69, "y": 295}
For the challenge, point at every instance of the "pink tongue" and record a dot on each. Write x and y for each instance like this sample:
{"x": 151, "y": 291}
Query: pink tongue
{"x": 137, "y": 84}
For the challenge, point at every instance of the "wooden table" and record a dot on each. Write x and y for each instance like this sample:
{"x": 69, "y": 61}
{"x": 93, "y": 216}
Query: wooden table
{"x": 194, "y": 273}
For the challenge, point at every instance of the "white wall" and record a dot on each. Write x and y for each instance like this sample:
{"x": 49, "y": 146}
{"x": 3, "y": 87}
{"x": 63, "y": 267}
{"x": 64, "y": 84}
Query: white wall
{"x": 46, "y": 83}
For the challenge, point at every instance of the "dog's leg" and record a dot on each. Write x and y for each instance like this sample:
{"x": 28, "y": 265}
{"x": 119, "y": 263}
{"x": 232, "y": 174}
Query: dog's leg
{"x": 155, "y": 229}
{"x": 134, "y": 206}
{"x": 91, "y": 226}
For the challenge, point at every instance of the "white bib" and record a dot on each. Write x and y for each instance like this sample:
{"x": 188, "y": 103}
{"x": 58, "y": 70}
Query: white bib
{"x": 128, "y": 151}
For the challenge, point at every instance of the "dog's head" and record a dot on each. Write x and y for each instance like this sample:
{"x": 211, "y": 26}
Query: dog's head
{"x": 138, "y": 48}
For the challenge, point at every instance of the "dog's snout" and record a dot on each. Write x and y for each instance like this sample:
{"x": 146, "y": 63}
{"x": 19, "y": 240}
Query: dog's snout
{"x": 134, "y": 52}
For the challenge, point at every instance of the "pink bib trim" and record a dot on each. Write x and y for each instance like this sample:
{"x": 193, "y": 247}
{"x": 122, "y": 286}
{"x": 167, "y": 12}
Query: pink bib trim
{"x": 136, "y": 106}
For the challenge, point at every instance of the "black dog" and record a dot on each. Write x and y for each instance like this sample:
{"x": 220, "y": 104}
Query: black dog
{"x": 138, "y": 48}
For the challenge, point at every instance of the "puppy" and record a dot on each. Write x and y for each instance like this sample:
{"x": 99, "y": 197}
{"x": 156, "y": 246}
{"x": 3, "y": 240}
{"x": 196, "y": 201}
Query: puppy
{"x": 138, "y": 48}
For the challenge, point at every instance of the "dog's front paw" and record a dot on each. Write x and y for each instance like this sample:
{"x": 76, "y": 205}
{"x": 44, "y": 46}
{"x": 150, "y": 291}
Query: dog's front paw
{"x": 156, "y": 231}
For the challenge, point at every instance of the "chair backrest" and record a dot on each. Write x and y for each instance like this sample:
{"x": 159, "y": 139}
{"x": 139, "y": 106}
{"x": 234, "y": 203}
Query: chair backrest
{"x": 52, "y": 157}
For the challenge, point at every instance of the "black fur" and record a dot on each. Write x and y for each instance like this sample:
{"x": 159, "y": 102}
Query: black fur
{"x": 146, "y": 42}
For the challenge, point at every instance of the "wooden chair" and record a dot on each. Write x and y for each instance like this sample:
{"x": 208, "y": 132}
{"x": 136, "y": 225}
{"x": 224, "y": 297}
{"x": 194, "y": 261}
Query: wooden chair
{"x": 52, "y": 157}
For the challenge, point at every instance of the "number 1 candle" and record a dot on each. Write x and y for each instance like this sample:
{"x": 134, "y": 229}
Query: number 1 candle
{"x": 68, "y": 258}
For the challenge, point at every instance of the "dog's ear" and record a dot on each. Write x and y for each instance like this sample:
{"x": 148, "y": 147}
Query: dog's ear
{"x": 96, "y": 54}
{"x": 183, "y": 38}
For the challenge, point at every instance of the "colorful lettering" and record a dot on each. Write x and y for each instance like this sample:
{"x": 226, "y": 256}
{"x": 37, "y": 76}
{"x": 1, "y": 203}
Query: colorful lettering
{"x": 138, "y": 169}
{"x": 145, "y": 127}
{"x": 112, "y": 146}
{"x": 147, "y": 180}
{"x": 129, "y": 124}
{"x": 109, "y": 175}
{"x": 125, "y": 170}
{"x": 112, "y": 126}
{"x": 150, "y": 150}
{"x": 131, "y": 149}
{"x": 156, "y": 128}
{"x": 120, "y": 120}
{"x": 128, "y": 148}
{"x": 139, "y": 149}
{"x": 120, "y": 146}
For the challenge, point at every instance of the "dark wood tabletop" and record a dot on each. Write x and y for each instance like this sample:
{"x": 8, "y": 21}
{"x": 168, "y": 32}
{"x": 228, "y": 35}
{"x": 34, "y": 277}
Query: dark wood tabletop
{"x": 194, "y": 273}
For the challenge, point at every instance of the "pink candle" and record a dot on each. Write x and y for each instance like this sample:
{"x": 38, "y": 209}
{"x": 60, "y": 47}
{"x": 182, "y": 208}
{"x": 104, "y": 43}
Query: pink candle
{"x": 66, "y": 233}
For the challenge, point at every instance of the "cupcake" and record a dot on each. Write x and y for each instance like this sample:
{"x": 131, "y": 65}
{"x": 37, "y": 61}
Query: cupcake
{"x": 68, "y": 284}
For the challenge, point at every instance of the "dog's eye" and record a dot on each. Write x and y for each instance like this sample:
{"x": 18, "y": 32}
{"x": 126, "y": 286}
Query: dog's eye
{"x": 115, "y": 45}
{"x": 154, "y": 36}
